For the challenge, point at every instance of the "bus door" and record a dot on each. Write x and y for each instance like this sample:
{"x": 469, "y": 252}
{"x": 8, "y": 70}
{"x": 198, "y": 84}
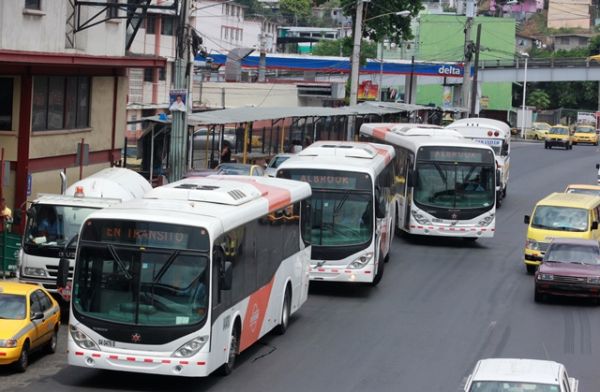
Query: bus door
{"x": 406, "y": 166}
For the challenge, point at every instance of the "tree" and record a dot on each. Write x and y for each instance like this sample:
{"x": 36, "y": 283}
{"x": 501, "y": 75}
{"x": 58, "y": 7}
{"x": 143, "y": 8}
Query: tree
{"x": 594, "y": 45}
{"x": 343, "y": 47}
{"x": 299, "y": 8}
{"x": 383, "y": 23}
{"x": 539, "y": 98}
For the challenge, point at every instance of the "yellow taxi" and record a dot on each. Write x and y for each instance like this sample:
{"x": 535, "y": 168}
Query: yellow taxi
{"x": 538, "y": 131}
{"x": 585, "y": 134}
{"x": 558, "y": 135}
{"x": 586, "y": 189}
{"x": 29, "y": 321}
{"x": 559, "y": 215}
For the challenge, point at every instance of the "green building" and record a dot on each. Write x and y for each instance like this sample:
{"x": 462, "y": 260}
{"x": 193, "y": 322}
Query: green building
{"x": 441, "y": 38}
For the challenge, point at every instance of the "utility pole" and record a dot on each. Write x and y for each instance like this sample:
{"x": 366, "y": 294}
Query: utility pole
{"x": 262, "y": 62}
{"x": 475, "y": 71}
{"x": 355, "y": 64}
{"x": 177, "y": 147}
{"x": 468, "y": 49}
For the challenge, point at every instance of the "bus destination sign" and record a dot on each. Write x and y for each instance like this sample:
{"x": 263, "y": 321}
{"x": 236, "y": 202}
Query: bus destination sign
{"x": 456, "y": 154}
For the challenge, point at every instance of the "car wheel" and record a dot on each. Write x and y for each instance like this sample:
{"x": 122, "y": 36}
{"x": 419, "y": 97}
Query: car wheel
{"x": 234, "y": 344}
{"x": 53, "y": 343}
{"x": 538, "y": 297}
{"x": 531, "y": 269}
{"x": 23, "y": 361}
{"x": 535, "y": 137}
{"x": 504, "y": 191}
{"x": 379, "y": 274}
{"x": 285, "y": 313}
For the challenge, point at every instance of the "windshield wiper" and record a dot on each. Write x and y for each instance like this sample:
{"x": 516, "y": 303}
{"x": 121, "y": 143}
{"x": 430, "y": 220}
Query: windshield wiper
{"x": 118, "y": 260}
{"x": 165, "y": 267}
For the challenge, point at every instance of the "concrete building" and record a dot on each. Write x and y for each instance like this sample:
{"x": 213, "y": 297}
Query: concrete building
{"x": 333, "y": 14}
{"x": 570, "y": 41}
{"x": 569, "y": 14}
{"x": 57, "y": 89}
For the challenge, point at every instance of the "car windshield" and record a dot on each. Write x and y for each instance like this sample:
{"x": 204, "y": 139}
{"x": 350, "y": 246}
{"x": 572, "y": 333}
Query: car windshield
{"x": 54, "y": 225}
{"x": 585, "y": 130}
{"x": 454, "y": 185}
{"x": 503, "y": 386}
{"x": 560, "y": 218}
{"x": 581, "y": 191}
{"x": 278, "y": 160}
{"x": 339, "y": 218}
{"x": 234, "y": 169}
{"x": 559, "y": 131}
{"x": 12, "y": 307}
{"x": 576, "y": 254}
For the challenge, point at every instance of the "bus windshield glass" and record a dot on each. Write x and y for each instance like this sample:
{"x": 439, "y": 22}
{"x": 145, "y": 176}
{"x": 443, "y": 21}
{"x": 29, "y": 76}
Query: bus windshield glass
{"x": 142, "y": 273}
{"x": 341, "y": 206}
{"x": 53, "y": 226}
{"x": 460, "y": 178}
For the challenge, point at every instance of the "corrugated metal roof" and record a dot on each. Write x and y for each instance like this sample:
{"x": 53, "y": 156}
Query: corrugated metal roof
{"x": 250, "y": 114}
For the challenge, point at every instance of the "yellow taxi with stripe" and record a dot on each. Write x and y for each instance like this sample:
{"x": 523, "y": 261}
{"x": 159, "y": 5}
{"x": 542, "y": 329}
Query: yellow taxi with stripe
{"x": 559, "y": 135}
{"x": 29, "y": 321}
{"x": 585, "y": 134}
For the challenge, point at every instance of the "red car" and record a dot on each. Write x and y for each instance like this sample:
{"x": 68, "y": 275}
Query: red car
{"x": 571, "y": 267}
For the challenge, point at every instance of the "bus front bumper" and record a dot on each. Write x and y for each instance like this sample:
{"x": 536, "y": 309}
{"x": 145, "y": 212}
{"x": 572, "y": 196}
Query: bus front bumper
{"x": 452, "y": 231}
{"x": 342, "y": 274}
{"x": 167, "y": 366}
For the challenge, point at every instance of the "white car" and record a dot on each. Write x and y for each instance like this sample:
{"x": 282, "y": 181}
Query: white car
{"x": 271, "y": 170}
{"x": 520, "y": 375}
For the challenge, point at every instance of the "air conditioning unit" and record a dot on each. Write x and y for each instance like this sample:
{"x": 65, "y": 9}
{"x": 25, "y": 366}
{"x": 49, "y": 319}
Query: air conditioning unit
{"x": 321, "y": 90}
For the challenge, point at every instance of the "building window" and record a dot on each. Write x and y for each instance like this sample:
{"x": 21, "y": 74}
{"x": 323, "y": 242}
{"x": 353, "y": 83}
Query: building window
{"x": 150, "y": 24}
{"x": 6, "y": 103}
{"x": 60, "y": 103}
{"x": 33, "y": 4}
{"x": 173, "y": 72}
{"x": 169, "y": 25}
{"x": 226, "y": 33}
{"x": 162, "y": 73}
{"x": 133, "y": 125}
{"x": 112, "y": 11}
{"x": 148, "y": 75}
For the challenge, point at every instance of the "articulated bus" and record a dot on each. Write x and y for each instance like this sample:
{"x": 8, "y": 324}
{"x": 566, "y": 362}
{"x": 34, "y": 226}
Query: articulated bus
{"x": 445, "y": 183}
{"x": 183, "y": 280}
{"x": 495, "y": 134}
{"x": 352, "y": 208}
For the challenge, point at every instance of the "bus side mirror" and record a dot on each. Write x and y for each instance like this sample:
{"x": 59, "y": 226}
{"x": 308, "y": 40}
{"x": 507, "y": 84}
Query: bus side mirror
{"x": 526, "y": 219}
{"x": 411, "y": 180}
{"x": 63, "y": 272}
{"x": 227, "y": 277}
{"x": 380, "y": 211}
{"x": 597, "y": 165}
{"x": 18, "y": 217}
{"x": 594, "y": 225}
{"x": 31, "y": 213}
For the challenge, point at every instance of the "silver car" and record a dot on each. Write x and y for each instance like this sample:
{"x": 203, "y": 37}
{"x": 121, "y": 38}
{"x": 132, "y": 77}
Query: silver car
{"x": 271, "y": 170}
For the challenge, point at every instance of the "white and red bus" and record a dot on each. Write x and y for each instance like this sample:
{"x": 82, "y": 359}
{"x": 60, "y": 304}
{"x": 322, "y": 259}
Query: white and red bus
{"x": 352, "y": 208}
{"x": 183, "y": 280}
{"x": 446, "y": 184}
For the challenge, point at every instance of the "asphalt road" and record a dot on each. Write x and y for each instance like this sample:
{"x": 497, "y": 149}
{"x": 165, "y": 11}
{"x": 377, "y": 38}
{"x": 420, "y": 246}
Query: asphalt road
{"x": 441, "y": 306}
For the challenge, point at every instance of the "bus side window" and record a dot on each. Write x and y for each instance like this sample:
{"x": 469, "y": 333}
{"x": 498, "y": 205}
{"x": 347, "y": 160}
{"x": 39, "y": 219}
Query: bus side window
{"x": 218, "y": 266}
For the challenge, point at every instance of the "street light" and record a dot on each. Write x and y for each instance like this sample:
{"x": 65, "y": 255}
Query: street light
{"x": 398, "y": 13}
{"x": 526, "y": 57}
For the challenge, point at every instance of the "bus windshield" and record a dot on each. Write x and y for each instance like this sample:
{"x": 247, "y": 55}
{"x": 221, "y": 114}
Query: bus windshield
{"x": 453, "y": 185}
{"x": 141, "y": 273}
{"x": 53, "y": 226}
{"x": 338, "y": 218}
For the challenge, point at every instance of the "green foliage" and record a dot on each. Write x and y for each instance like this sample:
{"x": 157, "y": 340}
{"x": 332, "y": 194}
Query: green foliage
{"x": 575, "y": 95}
{"x": 538, "y": 98}
{"x": 594, "y": 46}
{"x": 379, "y": 22}
{"x": 333, "y": 47}
{"x": 298, "y": 8}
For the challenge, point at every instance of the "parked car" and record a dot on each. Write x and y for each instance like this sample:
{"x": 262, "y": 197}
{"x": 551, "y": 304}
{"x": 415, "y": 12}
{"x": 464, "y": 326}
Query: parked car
{"x": 520, "y": 375}
{"x": 585, "y": 134}
{"x": 29, "y": 321}
{"x": 585, "y": 189}
{"x": 538, "y": 131}
{"x": 571, "y": 267}
{"x": 559, "y": 135}
{"x": 240, "y": 169}
{"x": 274, "y": 163}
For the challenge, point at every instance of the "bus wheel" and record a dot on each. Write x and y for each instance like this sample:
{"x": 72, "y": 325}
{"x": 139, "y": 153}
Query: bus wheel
{"x": 379, "y": 273}
{"x": 285, "y": 313}
{"x": 498, "y": 199}
{"x": 504, "y": 191}
{"x": 234, "y": 344}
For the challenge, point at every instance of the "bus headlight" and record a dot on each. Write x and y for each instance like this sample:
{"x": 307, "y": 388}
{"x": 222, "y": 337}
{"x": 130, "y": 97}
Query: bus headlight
{"x": 361, "y": 261}
{"x": 486, "y": 221}
{"x": 545, "y": 277}
{"x": 191, "y": 347}
{"x": 532, "y": 244}
{"x": 82, "y": 340}
{"x": 420, "y": 218}
{"x": 34, "y": 271}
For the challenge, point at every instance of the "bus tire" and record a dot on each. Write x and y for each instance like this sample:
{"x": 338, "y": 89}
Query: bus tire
{"x": 285, "y": 312}
{"x": 504, "y": 191}
{"x": 234, "y": 344}
{"x": 499, "y": 199}
{"x": 379, "y": 273}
